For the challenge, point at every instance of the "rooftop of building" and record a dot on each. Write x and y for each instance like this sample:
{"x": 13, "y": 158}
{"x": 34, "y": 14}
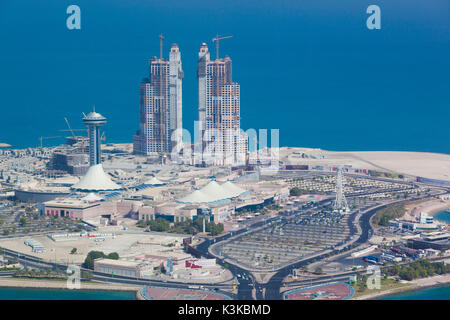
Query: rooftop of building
{"x": 94, "y": 116}
{"x": 118, "y": 263}
{"x": 69, "y": 203}
{"x": 436, "y": 237}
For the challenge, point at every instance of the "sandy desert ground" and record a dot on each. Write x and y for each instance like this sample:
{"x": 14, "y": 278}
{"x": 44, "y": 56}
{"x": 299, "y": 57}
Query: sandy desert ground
{"x": 423, "y": 164}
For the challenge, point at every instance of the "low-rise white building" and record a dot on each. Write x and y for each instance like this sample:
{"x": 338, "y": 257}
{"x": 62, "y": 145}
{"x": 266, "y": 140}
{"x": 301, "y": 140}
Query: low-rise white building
{"x": 135, "y": 269}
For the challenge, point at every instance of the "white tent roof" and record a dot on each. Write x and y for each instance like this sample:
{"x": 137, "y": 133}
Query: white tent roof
{"x": 153, "y": 181}
{"x": 213, "y": 192}
{"x": 96, "y": 180}
{"x": 91, "y": 197}
{"x": 233, "y": 189}
{"x": 195, "y": 197}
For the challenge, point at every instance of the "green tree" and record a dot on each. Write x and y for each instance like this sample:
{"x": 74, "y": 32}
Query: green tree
{"x": 160, "y": 225}
{"x": 113, "y": 256}
{"x": 295, "y": 191}
{"x": 93, "y": 255}
{"x": 22, "y": 221}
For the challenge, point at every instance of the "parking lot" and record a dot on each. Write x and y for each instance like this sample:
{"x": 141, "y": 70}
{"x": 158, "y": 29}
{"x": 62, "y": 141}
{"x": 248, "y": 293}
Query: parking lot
{"x": 325, "y": 184}
{"x": 281, "y": 242}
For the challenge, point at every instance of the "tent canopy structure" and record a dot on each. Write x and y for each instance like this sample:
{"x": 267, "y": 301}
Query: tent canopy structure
{"x": 154, "y": 182}
{"x": 233, "y": 189}
{"x": 195, "y": 197}
{"x": 96, "y": 180}
{"x": 91, "y": 197}
{"x": 213, "y": 192}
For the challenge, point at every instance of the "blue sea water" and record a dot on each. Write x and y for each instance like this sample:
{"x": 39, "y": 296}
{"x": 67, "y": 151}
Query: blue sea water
{"x": 435, "y": 293}
{"x": 310, "y": 68}
{"x": 443, "y": 216}
{"x": 55, "y": 294}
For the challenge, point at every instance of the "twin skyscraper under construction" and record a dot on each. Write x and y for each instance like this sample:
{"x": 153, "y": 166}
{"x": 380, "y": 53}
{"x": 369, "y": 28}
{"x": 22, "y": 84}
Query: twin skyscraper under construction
{"x": 160, "y": 105}
{"x": 222, "y": 142}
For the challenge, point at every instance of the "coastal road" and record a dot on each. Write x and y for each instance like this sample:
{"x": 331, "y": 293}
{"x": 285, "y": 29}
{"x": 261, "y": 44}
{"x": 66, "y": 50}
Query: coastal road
{"x": 33, "y": 262}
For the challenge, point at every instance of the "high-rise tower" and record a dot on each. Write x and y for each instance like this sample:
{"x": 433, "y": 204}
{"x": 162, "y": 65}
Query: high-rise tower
{"x": 223, "y": 143}
{"x": 94, "y": 121}
{"x": 95, "y": 178}
{"x": 160, "y": 106}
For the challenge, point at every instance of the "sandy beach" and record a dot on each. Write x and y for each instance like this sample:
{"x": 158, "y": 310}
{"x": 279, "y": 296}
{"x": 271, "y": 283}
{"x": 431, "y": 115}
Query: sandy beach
{"x": 423, "y": 164}
{"x": 431, "y": 207}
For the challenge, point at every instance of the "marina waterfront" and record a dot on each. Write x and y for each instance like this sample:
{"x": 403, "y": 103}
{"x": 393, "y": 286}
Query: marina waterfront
{"x": 61, "y": 294}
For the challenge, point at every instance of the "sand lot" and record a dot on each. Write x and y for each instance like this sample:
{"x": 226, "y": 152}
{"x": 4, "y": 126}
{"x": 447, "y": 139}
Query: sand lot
{"x": 423, "y": 164}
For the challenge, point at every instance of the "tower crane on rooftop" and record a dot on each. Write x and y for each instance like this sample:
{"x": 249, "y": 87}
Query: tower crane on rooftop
{"x": 216, "y": 39}
{"x": 161, "y": 38}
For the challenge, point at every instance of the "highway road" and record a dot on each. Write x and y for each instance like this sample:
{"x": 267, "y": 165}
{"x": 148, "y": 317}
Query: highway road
{"x": 33, "y": 262}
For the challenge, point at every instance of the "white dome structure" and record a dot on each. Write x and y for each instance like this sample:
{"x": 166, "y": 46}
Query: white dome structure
{"x": 96, "y": 180}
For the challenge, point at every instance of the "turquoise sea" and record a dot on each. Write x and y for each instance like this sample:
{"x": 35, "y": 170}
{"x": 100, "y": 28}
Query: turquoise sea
{"x": 309, "y": 68}
{"x": 55, "y": 294}
{"x": 436, "y": 293}
{"x": 443, "y": 216}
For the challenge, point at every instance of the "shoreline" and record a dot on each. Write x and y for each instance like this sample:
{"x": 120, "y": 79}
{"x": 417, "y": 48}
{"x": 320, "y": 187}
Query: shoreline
{"x": 414, "y": 285}
{"x": 433, "y": 212}
{"x": 431, "y": 207}
{"x": 62, "y": 285}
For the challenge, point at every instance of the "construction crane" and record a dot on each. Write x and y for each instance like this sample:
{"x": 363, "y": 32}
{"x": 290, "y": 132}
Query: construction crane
{"x": 42, "y": 138}
{"x": 65, "y": 130}
{"x": 73, "y": 133}
{"x": 161, "y": 38}
{"x": 216, "y": 39}
{"x": 70, "y": 129}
